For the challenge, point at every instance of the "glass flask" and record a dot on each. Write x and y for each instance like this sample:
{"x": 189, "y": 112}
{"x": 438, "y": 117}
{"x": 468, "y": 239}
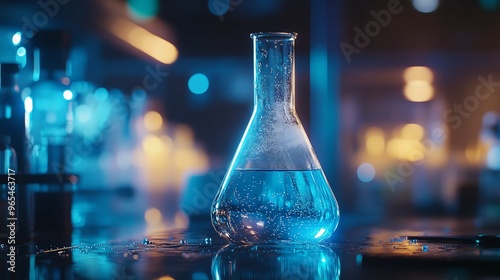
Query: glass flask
{"x": 274, "y": 191}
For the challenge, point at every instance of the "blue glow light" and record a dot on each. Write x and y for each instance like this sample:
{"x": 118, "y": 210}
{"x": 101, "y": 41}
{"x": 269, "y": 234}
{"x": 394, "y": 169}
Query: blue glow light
{"x": 68, "y": 94}
{"x": 21, "y": 51}
{"x": 366, "y": 172}
{"x": 83, "y": 113}
{"x": 198, "y": 83}
{"x": 143, "y": 9}
{"x": 101, "y": 94}
{"x": 489, "y": 5}
{"x": 218, "y": 7}
{"x": 16, "y": 38}
{"x": 425, "y": 6}
{"x": 28, "y": 104}
{"x": 199, "y": 276}
{"x": 76, "y": 218}
{"x": 359, "y": 259}
{"x": 7, "y": 111}
{"x": 493, "y": 158}
{"x": 138, "y": 94}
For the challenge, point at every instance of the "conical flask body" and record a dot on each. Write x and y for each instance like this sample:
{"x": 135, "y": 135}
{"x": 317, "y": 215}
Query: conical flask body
{"x": 274, "y": 191}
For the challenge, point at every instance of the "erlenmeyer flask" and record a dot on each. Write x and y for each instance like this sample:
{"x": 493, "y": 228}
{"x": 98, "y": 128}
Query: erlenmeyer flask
{"x": 275, "y": 191}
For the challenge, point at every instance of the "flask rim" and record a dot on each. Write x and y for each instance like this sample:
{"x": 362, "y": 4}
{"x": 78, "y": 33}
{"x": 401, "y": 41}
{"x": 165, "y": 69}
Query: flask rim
{"x": 274, "y": 35}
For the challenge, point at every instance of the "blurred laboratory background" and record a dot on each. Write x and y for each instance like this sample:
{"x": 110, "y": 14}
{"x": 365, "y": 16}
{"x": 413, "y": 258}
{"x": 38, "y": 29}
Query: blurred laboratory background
{"x": 128, "y": 112}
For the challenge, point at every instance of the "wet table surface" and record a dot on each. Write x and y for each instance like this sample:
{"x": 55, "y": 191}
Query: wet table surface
{"x": 197, "y": 253}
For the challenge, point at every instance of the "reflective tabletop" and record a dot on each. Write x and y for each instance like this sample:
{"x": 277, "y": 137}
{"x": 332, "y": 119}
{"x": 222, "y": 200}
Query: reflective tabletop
{"x": 355, "y": 252}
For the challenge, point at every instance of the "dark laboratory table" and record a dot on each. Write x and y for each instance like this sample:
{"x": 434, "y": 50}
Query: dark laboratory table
{"x": 356, "y": 251}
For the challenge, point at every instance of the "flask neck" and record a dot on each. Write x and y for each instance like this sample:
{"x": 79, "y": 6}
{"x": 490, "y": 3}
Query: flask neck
{"x": 274, "y": 70}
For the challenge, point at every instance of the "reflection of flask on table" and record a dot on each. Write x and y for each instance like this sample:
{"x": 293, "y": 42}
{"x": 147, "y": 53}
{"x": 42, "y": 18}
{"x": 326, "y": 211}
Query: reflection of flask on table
{"x": 275, "y": 190}
{"x": 279, "y": 262}
{"x": 489, "y": 181}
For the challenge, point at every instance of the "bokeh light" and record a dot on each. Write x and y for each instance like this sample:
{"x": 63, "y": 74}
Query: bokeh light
{"x": 166, "y": 277}
{"x": 65, "y": 81}
{"x": 152, "y": 216}
{"x": 375, "y": 142}
{"x": 152, "y": 145}
{"x": 366, "y": 172}
{"x": 183, "y": 136}
{"x": 16, "y": 38}
{"x": 83, "y": 113}
{"x": 198, "y": 83}
{"x": 418, "y": 73}
{"x": 21, "y": 51}
{"x": 489, "y": 5}
{"x": 138, "y": 94}
{"x": 153, "y": 121}
{"x": 412, "y": 131}
{"x": 218, "y": 7}
{"x": 101, "y": 94}
{"x": 145, "y": 41}
{"x": 28, "y": 104}
{"x": 418, "y": 91}
{"x": 68, "y": 94}
{"x": 143, "y": 9}
{"x": 493, "y": 158}
{"x": 425, "y": 6}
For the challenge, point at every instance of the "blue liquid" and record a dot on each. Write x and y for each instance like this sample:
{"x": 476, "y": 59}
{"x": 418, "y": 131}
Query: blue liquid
{"x": 274, "y": 207}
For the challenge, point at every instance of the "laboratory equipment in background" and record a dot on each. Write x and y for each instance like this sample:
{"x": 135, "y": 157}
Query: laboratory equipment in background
{"x": 49, "y": 105}
{"x": 12, "y": 113}
{"x": 12, "y": 129}
{"x": 275, "y": 191}
{"x": 50, "y": 102}
{"x": 489, "y": 178}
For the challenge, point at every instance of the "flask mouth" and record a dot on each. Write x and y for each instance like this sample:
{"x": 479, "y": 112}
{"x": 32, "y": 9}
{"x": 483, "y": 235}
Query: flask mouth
{"x": 274, "y": 35}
